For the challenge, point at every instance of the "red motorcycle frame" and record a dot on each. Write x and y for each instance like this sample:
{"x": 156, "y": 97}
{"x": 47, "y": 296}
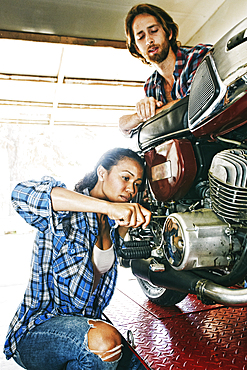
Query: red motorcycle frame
{"x": 196, "y": 160}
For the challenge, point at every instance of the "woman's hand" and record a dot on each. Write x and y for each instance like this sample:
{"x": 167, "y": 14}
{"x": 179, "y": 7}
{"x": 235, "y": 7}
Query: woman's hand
{"x": 129, "y": 214}
{"x": 125, "y": 214}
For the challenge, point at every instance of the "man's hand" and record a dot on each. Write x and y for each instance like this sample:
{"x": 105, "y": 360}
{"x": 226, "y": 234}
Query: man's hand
{"x": 146, "y": 108}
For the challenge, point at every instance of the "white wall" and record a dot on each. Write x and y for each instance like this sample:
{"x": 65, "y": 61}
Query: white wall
{"x": 230, "y": 13}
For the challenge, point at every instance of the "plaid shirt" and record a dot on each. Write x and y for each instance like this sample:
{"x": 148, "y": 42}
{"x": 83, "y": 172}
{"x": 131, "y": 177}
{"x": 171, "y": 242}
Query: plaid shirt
{"x": 187, "y": 61}
{"x": 62, "y": 272}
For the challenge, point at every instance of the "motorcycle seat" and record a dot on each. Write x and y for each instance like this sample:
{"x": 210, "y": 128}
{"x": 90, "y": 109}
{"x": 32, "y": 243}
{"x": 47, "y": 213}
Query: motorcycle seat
{"x": 167, "y": 124}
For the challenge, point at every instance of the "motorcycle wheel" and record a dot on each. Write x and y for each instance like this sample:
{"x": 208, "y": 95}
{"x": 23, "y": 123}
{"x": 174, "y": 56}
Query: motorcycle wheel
{"x": 160, "y": 296}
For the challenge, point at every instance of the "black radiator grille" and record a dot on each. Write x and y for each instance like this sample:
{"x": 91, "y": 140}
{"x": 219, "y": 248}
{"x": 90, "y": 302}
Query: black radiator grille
{"x": 204, "y": 90}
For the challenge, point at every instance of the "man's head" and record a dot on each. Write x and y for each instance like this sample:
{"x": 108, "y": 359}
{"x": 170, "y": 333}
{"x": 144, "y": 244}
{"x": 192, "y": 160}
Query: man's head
{"x": 161, "y": 17}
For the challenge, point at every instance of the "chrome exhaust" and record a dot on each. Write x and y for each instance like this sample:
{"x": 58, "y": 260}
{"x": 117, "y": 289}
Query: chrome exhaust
{"x": 188, "y": 282}
{"x": 220, "y": 294}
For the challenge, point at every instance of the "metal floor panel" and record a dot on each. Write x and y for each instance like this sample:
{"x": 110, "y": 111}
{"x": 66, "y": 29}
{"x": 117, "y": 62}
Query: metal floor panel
{"x": 187, "y": 336}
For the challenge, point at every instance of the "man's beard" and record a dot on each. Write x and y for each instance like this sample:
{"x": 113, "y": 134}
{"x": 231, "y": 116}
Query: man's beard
{"x": 160, "y": 56}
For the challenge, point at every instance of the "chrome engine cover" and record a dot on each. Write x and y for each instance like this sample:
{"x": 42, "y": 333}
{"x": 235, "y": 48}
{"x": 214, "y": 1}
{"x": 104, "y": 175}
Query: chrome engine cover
{"x": 197, "y": 239}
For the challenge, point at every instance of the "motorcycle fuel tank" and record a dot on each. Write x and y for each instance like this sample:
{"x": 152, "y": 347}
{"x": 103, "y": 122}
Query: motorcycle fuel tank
{"x": 171, "y": 169}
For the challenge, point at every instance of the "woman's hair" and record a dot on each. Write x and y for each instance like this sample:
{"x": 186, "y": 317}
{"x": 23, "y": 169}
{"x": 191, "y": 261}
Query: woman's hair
{"x": 107, "y": 160}
{"x": 162, "y": 17}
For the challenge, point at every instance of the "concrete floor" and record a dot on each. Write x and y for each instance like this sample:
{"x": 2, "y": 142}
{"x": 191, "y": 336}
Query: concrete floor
{"x": 15, "y": 256}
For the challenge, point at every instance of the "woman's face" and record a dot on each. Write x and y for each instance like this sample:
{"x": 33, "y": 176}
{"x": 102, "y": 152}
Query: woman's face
{"x": 121, "y": 183}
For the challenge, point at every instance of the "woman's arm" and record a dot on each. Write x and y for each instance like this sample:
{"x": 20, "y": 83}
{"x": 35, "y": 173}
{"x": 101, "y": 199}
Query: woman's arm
{"x": 32, "y": 201}
{"x": 125, "y": 214}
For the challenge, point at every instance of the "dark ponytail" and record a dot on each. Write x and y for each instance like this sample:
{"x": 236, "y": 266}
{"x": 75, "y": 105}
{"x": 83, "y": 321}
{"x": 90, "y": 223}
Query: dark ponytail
{"x": 107, "y": 160}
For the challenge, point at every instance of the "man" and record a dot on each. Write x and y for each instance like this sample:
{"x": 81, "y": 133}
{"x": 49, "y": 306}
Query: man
{"x": 152, "y": 37}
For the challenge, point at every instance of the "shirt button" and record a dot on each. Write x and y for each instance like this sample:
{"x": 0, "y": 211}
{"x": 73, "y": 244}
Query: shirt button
{"x": 72, "y": 251}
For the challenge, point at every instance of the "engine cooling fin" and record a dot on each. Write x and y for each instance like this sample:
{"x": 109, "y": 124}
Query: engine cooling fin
{"x": 228, "y": 185}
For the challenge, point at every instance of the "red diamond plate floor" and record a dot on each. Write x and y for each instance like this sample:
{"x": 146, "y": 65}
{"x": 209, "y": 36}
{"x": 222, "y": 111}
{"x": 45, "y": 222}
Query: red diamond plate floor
{"x": 187, "y": 336}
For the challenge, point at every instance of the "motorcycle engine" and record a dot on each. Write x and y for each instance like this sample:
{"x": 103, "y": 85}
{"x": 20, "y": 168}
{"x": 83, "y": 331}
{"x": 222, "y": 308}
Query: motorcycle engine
{"x": 205, "y": 237}
{"x": 228, "y": 185}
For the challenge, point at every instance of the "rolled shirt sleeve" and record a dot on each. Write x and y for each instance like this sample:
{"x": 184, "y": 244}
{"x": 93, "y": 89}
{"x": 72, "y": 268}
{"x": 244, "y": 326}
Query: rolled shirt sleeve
{"x": 32, "y": 201}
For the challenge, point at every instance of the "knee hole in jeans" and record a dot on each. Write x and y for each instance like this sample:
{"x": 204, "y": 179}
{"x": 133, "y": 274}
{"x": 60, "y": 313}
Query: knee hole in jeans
{"x": 104, "y": 340}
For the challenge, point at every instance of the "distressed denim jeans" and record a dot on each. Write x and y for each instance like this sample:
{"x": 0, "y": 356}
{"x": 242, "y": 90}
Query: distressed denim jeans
{"x": 60, "y": 343}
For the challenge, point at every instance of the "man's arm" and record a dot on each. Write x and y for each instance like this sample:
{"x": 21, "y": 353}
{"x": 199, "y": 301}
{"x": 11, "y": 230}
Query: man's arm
{"x": 128, "y": 122}
{"x": 146, "y": 109}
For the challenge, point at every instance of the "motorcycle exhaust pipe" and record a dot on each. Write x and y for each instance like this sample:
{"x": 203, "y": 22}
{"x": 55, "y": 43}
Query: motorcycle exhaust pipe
{"x": 187, "y": 282}
{"x": 184, "y": 281}
{"x": 226, "y": 296}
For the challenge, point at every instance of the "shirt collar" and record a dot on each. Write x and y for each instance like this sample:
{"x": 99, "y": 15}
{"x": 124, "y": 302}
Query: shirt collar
{"x": 181, "y": 58}
{"x": 157, "y": 79}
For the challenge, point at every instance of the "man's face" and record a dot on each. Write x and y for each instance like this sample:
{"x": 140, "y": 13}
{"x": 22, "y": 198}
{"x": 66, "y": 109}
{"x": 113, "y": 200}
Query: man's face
{"x": 150, "y": 38}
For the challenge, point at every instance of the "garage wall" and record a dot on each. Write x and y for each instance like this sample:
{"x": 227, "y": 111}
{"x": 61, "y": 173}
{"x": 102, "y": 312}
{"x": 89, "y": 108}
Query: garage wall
{"x": 230, "y": 13}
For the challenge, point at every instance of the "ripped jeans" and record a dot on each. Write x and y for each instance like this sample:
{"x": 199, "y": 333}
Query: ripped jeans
{"x": 61, "y": 343}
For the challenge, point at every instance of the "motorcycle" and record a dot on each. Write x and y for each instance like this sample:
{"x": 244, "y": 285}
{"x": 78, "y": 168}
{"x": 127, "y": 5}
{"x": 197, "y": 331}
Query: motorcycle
{"x": 196, "y": 188}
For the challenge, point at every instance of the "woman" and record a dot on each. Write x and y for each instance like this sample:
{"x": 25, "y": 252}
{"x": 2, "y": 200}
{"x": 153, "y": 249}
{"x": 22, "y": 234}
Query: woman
{"x": 74, "y": 267}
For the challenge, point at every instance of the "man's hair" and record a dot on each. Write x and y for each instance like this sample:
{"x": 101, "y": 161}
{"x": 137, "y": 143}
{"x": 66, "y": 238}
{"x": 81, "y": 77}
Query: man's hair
{"x": 162, "y": 17}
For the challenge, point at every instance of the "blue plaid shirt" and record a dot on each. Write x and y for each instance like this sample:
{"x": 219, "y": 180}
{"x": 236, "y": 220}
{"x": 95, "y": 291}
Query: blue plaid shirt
{"x": 187, "y": 61}
{"x": 61, "y": 280}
